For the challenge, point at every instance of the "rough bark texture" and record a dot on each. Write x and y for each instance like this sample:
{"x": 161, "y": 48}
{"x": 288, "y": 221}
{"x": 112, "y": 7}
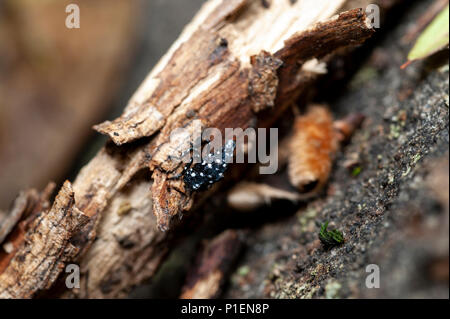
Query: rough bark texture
{"x": 223, "y": 70}
{"x": 39, "y": 258}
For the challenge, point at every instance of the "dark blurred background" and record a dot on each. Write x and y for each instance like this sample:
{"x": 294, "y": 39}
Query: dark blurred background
{"x": 55, "y": 82}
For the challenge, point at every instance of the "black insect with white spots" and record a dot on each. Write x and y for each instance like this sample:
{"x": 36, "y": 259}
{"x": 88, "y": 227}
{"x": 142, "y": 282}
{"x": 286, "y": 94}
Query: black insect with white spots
{"x": 202, "y": 175}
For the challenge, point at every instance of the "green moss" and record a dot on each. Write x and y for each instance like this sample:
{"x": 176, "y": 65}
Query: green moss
{"x": 356, "y": 171}
{"x": 330, "y": 238}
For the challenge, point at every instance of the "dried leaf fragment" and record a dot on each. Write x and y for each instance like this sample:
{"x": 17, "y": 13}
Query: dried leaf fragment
{"x": 434, "y": 38}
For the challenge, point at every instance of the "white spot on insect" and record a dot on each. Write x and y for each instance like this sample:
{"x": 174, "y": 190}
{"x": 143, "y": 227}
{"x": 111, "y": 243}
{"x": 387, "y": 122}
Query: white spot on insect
{"x": 211, "y": 169}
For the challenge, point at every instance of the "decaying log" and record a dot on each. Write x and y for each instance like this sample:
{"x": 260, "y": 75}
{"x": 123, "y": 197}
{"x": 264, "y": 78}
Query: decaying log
{"x": 225, "y": 86}
{"x": 238, "y": 64}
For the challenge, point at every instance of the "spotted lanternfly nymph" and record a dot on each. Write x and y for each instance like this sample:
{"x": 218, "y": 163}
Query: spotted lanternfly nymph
{"x": 202, "y": 175}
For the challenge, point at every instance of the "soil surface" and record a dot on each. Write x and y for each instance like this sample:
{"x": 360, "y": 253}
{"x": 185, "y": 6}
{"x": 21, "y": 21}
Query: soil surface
{"x": 388, "y": 193}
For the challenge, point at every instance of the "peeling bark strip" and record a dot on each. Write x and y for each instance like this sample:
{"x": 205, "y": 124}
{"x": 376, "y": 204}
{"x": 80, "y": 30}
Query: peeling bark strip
{"x": 44, "y": 250}
{"x": 16, "y": 212}
{"x": 215, "y": 260}
{"x": 27, "y": 206}
{"x": 349, "y": 28}
{"x": 223, "y": 87}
